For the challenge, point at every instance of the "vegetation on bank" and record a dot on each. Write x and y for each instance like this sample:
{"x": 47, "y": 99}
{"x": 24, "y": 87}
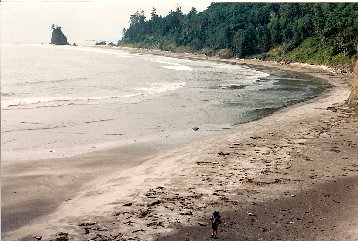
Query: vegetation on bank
{"x": 319, "y": 33}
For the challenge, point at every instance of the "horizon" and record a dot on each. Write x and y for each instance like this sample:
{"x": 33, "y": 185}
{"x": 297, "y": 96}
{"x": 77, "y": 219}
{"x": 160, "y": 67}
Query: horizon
{"x": 79, "y": 20}
{"x": 82, "y": 20}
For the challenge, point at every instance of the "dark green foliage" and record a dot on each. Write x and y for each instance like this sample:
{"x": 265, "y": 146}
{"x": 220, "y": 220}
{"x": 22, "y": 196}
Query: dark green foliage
{"x": 249, "y": 29}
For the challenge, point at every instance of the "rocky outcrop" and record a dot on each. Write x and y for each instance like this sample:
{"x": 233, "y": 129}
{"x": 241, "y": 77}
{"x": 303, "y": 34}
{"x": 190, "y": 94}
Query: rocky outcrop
{"x": 353, "y": 97}
{"x": 101, "y": 43}
{"x": 58, "y": 38}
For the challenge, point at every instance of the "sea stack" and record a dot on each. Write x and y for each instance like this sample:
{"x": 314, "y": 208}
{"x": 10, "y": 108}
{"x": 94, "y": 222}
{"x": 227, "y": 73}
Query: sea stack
{"x": 58, "y": 38}
{"x": 353, "y": 97}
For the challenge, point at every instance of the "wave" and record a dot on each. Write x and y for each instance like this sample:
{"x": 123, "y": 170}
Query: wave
{"x": 181, "y": 67}
{"x": 119, "y": 53}
{"x": 172, "y": 65}
{"x": 260, "y": 112}
{"x": 245, "y": 73}
{"x": 26, "y": 83}
{"x": 37, "y": 102}
{"x": 50, "y": 101}
{"x": 156, "y": 88}
{"x": 232, "y": 86}
{"x": 92, "y": 49}
{"x": 164, "y": 62}
{"x": 255, "y": 76}
{"x": 7, "y": 94}
{"x": 49, "y": 127}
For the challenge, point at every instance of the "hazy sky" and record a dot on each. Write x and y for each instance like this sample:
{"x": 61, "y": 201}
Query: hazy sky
{"x": 80, "y": 20}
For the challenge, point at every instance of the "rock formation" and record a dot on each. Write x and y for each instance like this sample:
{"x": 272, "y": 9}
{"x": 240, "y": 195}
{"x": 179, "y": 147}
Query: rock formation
{"x": 58, "y": 38}
{"x": 101, "y": 43}
{"x": 353, "y": 97}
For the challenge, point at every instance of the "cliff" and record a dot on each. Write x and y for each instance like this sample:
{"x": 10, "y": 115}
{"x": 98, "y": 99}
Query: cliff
{"x": 58, "y": 38}
{"x": 353, "y": 97}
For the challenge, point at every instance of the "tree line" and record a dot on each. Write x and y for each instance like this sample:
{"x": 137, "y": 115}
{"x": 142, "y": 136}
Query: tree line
{"x": 324, "y": 33}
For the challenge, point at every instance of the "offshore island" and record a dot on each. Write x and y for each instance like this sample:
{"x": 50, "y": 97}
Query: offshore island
{"x": 290, "y": 175}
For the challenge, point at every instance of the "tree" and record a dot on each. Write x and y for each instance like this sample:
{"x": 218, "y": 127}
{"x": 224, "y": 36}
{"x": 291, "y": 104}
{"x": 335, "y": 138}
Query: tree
{"x": 251, "y": 28}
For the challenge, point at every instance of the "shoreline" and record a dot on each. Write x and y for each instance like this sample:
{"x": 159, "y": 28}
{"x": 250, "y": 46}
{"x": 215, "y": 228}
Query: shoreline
{"x": 267, "y": 63}
{"x": 168, "y": 171}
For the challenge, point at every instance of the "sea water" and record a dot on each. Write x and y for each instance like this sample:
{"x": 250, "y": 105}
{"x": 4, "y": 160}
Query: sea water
{"x": 59, "y": 101}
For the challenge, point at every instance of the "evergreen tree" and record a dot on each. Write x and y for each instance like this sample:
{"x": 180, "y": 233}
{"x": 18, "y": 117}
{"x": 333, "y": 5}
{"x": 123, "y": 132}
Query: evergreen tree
{"x": 321, "y": 32}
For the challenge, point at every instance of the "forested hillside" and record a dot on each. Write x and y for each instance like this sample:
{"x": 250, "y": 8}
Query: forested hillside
{"x": 320, "y": 33}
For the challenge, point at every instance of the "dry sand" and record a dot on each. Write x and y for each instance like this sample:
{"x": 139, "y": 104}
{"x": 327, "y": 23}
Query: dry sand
{"x": 290, "y": 176}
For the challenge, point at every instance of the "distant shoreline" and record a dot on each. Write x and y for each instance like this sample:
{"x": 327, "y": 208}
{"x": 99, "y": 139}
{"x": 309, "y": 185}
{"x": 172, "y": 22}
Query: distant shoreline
{"x": 254, "y": 61}
{"x": 304, "y": 68}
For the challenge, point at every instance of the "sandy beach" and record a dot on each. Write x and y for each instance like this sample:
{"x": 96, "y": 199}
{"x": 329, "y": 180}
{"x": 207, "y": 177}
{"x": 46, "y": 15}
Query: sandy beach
{"x": 290, "y": 176}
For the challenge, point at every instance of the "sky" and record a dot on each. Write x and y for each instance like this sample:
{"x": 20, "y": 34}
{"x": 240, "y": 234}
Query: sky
{"x": 83, "y": 19}
{"x": 80, "y": 20}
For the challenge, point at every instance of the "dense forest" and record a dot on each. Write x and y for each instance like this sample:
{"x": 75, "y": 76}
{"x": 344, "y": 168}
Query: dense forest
{"x": 320, "y": 33}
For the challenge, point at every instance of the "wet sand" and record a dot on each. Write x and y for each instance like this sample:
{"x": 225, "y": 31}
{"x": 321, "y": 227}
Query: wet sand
{"x": 292, "y": 175}
{"x": 36, "y": 188}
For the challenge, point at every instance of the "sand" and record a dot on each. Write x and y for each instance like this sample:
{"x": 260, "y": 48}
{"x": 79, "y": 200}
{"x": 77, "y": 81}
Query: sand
{"x": 289, "y": 176}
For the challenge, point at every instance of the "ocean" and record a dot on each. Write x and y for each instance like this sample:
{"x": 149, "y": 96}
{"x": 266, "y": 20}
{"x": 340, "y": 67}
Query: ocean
{"x": 60, "y": 101}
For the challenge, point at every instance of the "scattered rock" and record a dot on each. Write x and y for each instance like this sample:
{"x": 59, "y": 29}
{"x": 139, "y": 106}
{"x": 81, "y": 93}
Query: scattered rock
{"x": 154, "y": 203}
{"x": 143, "y": 213}
{"x": 334, "y": 109}
{"x": 187, "y": 213}
{"x": 62, "y": 236}
{"x": 195, "y": 128}
{"x": 155, "y": 224}
{"x": 129, "y": 223}
{"x": 127, "y": 204}
{"x": 138, "y": 230}
{"x": 334, "y": 149}
{"x": 87, "y": 223}
{"x": 223, "y": 154}
{"x": 202, "y": 224}
{"x": 225, "y": 199}
{"x": 261, "y": 183}
{"x": 101, "y": 43}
